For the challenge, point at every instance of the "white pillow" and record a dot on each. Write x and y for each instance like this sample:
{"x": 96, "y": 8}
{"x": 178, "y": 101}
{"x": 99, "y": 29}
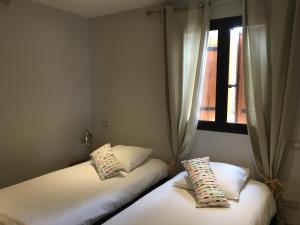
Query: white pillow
{"x": 130, "y": 156}
{"x": 230, "y": 178}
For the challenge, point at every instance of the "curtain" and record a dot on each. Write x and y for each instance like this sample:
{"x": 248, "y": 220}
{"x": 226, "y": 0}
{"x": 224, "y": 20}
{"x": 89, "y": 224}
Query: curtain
{"x": 272, "y": 48}
{"x": 186, "y": 32}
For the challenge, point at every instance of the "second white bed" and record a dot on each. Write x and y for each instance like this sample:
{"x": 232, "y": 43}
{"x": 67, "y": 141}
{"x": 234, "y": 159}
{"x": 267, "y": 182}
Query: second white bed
{"x": 171, "y": 205}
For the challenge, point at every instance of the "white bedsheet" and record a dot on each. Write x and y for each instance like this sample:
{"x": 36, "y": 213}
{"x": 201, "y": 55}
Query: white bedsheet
{"x": 168, "y": 205}
{"x": 75, "y": 195}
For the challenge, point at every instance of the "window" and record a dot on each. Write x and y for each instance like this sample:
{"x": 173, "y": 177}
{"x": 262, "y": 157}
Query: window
{"x": 222, "y": 107}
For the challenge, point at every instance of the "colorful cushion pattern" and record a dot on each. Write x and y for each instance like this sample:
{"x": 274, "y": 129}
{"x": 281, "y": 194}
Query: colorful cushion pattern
{"x": 106, "y": 163}
{"x": 230, "y": 178}
{"x": 208, "y": 192}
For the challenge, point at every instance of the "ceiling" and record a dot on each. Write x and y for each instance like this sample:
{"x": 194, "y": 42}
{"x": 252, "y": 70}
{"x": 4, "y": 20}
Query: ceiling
{"x": 94, "y": 8}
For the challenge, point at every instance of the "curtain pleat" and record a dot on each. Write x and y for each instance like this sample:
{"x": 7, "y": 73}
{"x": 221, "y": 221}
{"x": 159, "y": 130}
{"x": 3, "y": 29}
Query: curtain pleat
{"x": 272, "y": 47}
{"x": 185, "y": 40}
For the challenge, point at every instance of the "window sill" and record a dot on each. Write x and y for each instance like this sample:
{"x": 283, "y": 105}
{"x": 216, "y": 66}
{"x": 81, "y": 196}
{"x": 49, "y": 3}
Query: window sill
{"x": 226, "y": 128}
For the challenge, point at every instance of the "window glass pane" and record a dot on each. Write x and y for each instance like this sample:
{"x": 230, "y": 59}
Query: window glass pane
{"x": 208, "y": 103}
{"x": 236, "y": 112}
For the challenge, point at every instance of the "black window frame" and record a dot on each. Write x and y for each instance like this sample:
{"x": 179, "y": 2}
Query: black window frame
{"x": 220, "y": 124}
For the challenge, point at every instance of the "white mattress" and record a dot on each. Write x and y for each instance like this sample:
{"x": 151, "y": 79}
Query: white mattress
{"x": 171, "y": 205}
{"x": 75, "y": 195}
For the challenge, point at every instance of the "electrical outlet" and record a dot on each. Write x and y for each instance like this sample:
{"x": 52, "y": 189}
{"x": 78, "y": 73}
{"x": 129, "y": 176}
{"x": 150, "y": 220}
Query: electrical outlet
{"x": 295, "y": 144}
{"x": 104, "y": 123}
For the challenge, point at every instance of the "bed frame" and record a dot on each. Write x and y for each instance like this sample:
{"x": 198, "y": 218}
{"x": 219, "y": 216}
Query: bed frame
{"x": 101, "y": 221}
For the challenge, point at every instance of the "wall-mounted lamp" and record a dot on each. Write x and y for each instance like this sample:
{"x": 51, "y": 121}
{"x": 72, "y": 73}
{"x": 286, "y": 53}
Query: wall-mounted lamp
{"x": 87, "y": 139}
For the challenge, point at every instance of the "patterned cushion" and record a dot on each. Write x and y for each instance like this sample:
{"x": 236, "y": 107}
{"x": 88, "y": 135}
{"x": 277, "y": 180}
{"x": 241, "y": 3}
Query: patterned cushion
{"x": 106, "y": 163}
{"x": 208, "y": 192}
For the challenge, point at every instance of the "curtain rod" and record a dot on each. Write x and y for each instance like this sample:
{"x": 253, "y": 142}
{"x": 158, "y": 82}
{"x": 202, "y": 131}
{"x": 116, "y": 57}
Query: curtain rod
{"x": 6, "y": 2}
{"x": 151, "y": 12}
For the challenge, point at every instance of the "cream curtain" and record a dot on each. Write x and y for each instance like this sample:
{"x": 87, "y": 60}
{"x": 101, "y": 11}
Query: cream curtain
{"x": 271, "y": 56}
{"x": 185, "y": 40}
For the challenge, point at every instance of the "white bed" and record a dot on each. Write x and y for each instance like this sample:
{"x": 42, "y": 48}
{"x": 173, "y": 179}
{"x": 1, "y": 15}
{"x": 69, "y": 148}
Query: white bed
{"x": 75, "y": 195}
{"x": 171, "y": 205}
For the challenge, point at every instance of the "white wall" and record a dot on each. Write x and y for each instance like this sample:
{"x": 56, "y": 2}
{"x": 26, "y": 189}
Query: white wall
{"x": 291, "y": 178}
{"x": 128, "y": 81}
{"x": 44, "y": 89}
{"x": 223, "y": 147}
{"x": 227, "y": 8}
